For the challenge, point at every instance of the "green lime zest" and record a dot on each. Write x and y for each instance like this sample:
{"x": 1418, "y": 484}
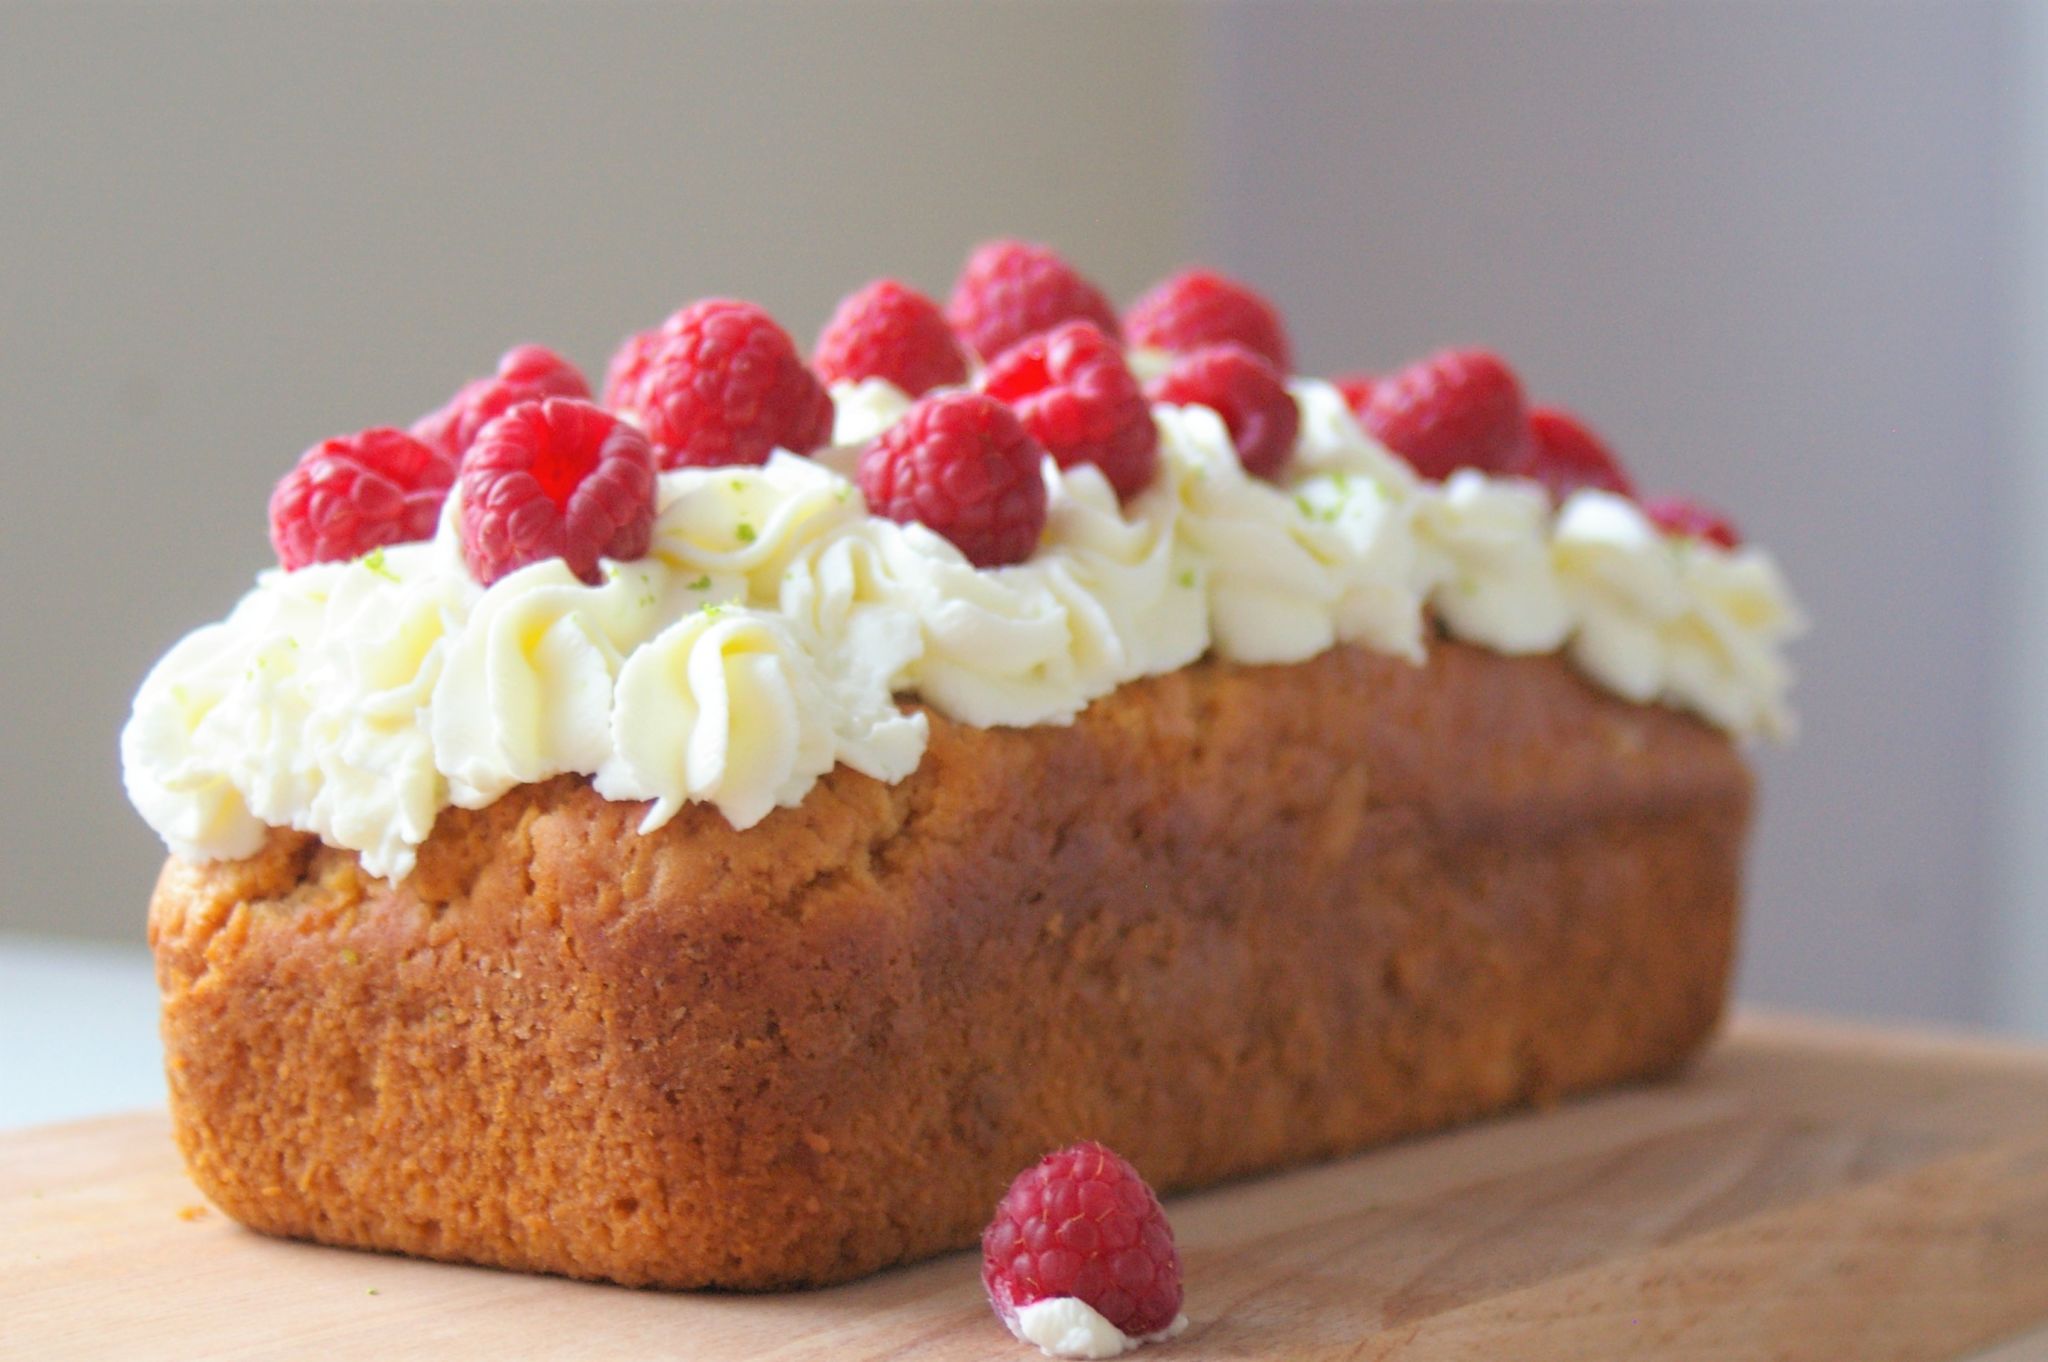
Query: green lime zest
{"x": 374, "y": 561}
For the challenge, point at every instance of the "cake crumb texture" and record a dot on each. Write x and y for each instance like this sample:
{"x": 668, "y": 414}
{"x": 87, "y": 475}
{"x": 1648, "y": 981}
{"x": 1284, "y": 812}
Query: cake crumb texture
{"x": 1233, "y": 918}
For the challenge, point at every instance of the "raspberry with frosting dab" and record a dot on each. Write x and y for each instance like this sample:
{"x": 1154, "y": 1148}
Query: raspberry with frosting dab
{"x": 1080, "y": 1259}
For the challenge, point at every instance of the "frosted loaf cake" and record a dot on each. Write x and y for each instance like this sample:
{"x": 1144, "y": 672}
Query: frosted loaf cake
{"x": 715, "y": 834}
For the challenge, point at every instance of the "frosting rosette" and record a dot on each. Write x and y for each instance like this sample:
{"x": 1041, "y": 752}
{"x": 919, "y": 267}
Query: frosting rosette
{"x": 1681, "y": 621}
{"x": 729, "y": 706}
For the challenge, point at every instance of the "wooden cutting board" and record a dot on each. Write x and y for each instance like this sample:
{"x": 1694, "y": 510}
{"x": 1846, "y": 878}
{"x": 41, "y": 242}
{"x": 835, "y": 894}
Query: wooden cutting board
{"x": 1805, "y": 1192}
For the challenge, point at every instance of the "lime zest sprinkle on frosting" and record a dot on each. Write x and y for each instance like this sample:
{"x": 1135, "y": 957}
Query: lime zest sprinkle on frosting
{"x": 374, "y": 561}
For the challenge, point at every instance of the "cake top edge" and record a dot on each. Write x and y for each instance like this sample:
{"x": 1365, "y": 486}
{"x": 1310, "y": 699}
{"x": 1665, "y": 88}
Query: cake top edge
{"x": 714, "y": 579}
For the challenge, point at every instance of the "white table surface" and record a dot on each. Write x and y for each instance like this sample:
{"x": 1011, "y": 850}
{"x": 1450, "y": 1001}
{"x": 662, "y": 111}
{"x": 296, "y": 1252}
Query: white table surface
{"x": 77, "y": 1030}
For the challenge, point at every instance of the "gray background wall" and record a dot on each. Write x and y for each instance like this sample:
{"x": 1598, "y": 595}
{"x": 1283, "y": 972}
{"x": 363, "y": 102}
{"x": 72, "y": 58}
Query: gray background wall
{"x": 1780, "y": 252}
{"x": 1760, "y": 241}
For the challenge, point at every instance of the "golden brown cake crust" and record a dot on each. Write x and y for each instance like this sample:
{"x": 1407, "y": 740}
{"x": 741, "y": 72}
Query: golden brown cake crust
{"x": 1233, "y": 918}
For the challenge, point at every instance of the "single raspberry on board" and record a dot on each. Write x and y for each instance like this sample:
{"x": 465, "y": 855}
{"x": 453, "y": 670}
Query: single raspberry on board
{"x": 1082, "y": 1223}
{"x": 559, "y": 478}
{"x": 1246, "y": 391}
{"x": 1694, "y": 520}
{"x": 1073, "y": 391}
{"x": 889, "y": 330}
{"x": 719, "y": 383}
{"x": 1455, "y": 409}
{"x": 961, "y": 464}
{"x": 1564, "y": 454}
{"x": 1011, "y": 290}
{"x": 354, "y": 493}
{"x": 1200, "y": 307}
{"x": 526, "y": 373}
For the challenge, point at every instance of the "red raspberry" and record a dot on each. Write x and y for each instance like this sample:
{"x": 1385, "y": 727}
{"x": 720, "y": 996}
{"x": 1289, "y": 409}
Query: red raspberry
{"x": 890, "y": 330}
{"x": 526, "y": 373}
{"x": 962, "y": 464}
{"x": 1684, "y": 516}
{"x": 1245, "y": 391}
{"x": 719, "y": 383}
{"x": 1456, "y": 409}
{"x": 1011, "y": 290}
{"x": 626, "y": 373}
{"x": 1082, "y": 1223}
{"x": 1201, "y": 307}
{"x": 559, "y": 478}
{"x": 1356, "y": 390}
{"x": 355, "y": 493}
{"x": 1565, "y": 455}
{"x": 1074, "y": 393}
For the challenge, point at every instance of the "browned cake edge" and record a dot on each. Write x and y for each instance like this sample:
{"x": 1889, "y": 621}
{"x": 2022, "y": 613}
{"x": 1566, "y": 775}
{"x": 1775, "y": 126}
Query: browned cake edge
{"x": 1232, "y": 918}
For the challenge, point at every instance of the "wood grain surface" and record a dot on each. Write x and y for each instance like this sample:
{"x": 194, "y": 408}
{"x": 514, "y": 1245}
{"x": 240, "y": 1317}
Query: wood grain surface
{"x": 1806, "y": 1192}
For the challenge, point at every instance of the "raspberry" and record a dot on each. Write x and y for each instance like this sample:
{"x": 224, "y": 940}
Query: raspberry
{"x": 719, "y": 383}
{"x": 1684, "y": 516}
{"x": 1456, "y": 409}
{"x": 1356, "y": 390}
{"x": 1196, "y": 308}
{"x": 1244, "y": 390}
{"x": 1074, "y": 393}
{"x": 355, "y": 493}
{"x": 627, "y": 372}
{"x": 890, "y": 330}
{"x": 526, "y": 373}
{"x": 1082, "y": 1223}
{"x": 962, "y": 464}
{"x": 559, "y": 478}
{"x": 1012, "y": 290}
{"x": 1564, "y": 455}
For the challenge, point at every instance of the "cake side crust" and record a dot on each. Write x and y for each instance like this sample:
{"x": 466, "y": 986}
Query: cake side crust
{"x": 1231, "y": 919}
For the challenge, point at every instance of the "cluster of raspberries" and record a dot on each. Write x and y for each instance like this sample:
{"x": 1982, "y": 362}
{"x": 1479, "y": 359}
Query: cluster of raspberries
{"x": 1025, "y": 360}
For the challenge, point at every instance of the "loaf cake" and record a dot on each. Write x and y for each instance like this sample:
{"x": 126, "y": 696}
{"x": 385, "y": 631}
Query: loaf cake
{"x": 716, "y": 835}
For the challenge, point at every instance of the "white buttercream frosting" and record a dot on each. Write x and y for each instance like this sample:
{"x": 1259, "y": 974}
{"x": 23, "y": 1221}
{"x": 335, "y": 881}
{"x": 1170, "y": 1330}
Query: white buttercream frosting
{"x": 863, "y": 409}
{"x": 771, "y": 629}
{"x": 1067, "y": 1326}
